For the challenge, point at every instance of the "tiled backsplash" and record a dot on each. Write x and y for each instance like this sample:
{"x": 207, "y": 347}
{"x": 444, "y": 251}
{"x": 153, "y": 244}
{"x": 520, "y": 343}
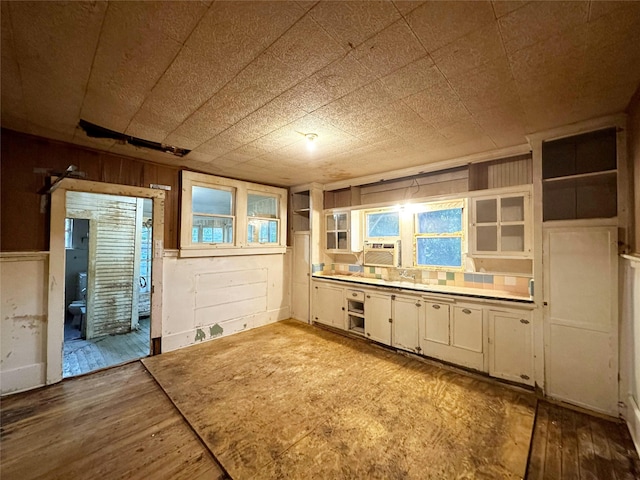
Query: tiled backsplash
{"x": 505, "y": 283}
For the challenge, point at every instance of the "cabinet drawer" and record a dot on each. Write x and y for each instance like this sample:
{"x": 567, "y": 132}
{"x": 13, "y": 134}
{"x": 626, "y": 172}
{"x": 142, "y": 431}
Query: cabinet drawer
{"x": 355, "y": 295}
{"x": 466, "y": 330}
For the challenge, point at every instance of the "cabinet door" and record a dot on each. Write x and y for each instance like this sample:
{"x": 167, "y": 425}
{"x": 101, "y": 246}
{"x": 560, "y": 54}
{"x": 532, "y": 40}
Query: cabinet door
{"x": 466, "y": 329}
{"x": 436, "y": 323}
{"x": 510, "y": 355}
{"x": 337, "y": 232}
{"x": 328, "y": 305}
{"x": 407, "y": 315}
{"x": 377, "y": 313}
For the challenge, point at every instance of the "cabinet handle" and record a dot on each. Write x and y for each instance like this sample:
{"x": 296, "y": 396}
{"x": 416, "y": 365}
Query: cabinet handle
{"x": 466, "y": 310}
{"x": 436, "y": 306}
{"x": 418, "y": 304}
{"x": 524, "y": 377}
{"x": 393, "y": 297}
{"x": 316, "y": 288}
{"x": 368, "y": 296}
{"x": 522, "y": 320}
{"x": 390, "y": 320}
{"x": 354, "y": 294}
{"x": 343, "y": 308}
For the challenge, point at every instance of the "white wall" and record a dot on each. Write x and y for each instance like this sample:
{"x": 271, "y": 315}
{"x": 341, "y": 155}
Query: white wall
{"x": 23, "y": 320}
{"x": 630, "y": 344}
{"x": 211, "y": 297}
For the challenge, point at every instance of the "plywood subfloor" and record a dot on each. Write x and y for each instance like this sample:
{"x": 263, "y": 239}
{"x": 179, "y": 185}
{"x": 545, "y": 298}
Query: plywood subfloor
{"x": 293, "y": 401}
{"x": 114, "y": 424}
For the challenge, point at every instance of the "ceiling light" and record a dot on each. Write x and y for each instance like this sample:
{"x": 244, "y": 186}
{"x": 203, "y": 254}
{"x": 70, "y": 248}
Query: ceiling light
{"x": 311, "y": 140}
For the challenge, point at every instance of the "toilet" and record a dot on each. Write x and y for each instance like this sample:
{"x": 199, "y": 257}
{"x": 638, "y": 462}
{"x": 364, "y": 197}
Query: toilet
{"x": 78, "y": 308}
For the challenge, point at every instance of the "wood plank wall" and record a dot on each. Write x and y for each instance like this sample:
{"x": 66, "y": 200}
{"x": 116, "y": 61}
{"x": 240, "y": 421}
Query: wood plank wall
{"x": 24, "y": 227}
{"x": 111, "y": 276}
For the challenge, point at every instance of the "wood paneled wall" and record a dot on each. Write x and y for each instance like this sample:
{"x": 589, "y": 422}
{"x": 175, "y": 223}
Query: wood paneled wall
{"x": 25, "y": 227}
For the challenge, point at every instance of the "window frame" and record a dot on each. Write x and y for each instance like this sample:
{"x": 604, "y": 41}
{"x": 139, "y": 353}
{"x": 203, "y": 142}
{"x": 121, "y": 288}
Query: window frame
{"x": 387, "y": 238}
{"x": 233, "y": 215}
{"x": 460, "y": 203}
{"x": 275, "y": 219}
{"x": 241, "y": 191}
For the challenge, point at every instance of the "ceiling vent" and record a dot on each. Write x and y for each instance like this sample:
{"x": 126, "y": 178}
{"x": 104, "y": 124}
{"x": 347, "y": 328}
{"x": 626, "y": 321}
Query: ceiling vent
{"x": 96, "y": 131}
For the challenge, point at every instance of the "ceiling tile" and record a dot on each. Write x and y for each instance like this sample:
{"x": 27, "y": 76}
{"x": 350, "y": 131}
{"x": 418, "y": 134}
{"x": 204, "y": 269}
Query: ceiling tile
{"x": 13, "y": 113}
{"x": 505, "y": 124}
{"x": 306, "y": 47}
{"x": 137, "y": 44}
{"x": 502, "y": 7}
{"x": 466, "y": 53}
{"x": 353, "y": 22}
{"x": 615, "y": 26}
{"x": 334, "y": 81}
{"x": 393, "y": 48}
{"x": 537, "y": 21}
{"x": 439, "y": 106}
{"x": 406, "y": 6}
{"x": 492, "y": 85}
{"x": 415, "y": 77}
{"x": 600, "y": 8}
{"x": 439, "y": 23}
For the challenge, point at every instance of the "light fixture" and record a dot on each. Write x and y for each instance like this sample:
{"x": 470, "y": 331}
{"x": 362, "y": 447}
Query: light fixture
{"x": 311, "y": 140}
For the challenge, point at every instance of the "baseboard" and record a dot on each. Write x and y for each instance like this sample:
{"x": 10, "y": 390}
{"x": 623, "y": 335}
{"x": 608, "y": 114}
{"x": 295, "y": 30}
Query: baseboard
{"x": 22, "y": 379}
{"x": 633, "y": 421}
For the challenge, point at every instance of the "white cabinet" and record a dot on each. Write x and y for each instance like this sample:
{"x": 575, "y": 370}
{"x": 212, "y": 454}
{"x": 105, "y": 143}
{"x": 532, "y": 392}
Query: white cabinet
{"x": 377, "y": 323}
{"x": 328, "y": 304}
{"x": 501, "y": 225}
{"x": 354, "y": 300}
{"x": 337, "y": 232}
{"x": 407, "y": 313}
{"x": 510, "y": 347}
{"x": 453, "y": 332}
{"x": 466, "y": 328}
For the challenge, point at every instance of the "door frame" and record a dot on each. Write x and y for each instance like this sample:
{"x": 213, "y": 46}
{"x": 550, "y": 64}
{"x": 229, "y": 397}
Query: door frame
{"x": 56, "y": 277}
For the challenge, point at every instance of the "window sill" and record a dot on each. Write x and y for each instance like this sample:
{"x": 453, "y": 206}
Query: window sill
{"x": 230, "y": 251}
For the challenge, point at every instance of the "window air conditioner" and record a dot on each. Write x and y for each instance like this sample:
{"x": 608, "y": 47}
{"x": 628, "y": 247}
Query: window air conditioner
{"x": 382, "y": 254}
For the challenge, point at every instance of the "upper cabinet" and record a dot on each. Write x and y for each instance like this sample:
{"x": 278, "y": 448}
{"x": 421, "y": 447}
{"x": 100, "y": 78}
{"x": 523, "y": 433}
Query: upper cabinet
{"x": 301, "y": 211}
{"x": 579, "y": 176}
{"x": 501, "y": 225}
{"x": 342, "y": 231}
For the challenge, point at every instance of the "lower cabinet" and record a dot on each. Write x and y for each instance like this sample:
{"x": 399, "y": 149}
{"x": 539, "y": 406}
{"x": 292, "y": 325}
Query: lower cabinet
{"x": 453, "y": 332}
{"x": 328, "y": 304}
{"x": 377, "y": 317}
{"x": 406, "y": 315}
{"x": 510, "y": 346}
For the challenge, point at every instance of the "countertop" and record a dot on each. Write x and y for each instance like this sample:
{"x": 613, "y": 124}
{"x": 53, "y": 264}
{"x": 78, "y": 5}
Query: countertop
{"x": 424, "y": 288}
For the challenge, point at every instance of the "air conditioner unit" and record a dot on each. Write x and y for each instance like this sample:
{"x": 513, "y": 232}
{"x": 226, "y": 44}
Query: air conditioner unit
{"x": 382, "y": 254}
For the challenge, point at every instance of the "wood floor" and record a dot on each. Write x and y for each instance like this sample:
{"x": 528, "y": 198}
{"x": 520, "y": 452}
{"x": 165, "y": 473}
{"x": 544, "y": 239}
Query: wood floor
{"x": 119, "y": 423}
{"x": 84, "y": 356}
{"x": 113, "y": 424}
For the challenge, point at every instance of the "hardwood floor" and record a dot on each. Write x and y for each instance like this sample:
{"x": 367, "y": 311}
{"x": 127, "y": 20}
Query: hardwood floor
{"x": 575, "y": 446}
{"x": 84, "y": 356}
{"x": 109, "y": 425}
{"x": 118, "y": 423}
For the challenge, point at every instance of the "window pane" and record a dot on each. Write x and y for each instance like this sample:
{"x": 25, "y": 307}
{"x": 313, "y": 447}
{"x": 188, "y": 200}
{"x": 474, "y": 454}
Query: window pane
{"x": 262, "y": 206}
{"x": 211, "y": 200}
{"x": 212, "y": 229}
{"x": 68, "y": 233}
{"x": 439, "y": 251}
{"x": 440, "y": 221}
{"x": 487, "y": 211}
{"x": 384, "y": 224}
{"x": 487, "y": 238}
{"x": 262, "y": 231}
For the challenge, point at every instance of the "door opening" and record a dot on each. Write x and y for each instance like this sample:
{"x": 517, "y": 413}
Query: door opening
{"x": 107, "y": 281}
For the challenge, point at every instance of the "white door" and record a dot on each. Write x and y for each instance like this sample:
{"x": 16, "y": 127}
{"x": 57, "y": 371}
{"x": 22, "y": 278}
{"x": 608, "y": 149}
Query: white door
{"x": 510, "y": 348}
{"x": 581, "y": 312}
{"x": 301, "y": 277}
{"x": 377, "y": 313}
{"x": 407, "y": 315}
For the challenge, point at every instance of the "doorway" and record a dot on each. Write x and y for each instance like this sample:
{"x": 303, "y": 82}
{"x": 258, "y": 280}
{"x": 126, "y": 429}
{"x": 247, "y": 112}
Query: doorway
{"x": 107, "y": 274}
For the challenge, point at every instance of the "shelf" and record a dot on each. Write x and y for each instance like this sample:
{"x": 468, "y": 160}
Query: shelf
{"x": 357, "y": 312}
{"x": 580, "y": 176}
{"x": 359, "y": 330}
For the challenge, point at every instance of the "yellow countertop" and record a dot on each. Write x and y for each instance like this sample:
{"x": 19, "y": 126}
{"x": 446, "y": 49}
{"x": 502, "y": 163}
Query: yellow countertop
{"x": 424, "y": 288}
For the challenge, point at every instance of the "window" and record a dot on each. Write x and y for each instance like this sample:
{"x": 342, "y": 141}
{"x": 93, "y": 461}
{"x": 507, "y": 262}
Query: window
{"x": 212, "y": 215}
{"x": 382, "y": 224}
{"x": 439, "y": 235}
{"x": 263, "y": 223}
{"x": 221, "y": 216}
{"x": 68, "y": 233}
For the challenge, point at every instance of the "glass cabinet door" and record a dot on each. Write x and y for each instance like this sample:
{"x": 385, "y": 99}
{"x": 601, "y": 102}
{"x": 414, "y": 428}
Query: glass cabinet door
{"x": 337, "y": 231}
{"x": 501, "y": 225}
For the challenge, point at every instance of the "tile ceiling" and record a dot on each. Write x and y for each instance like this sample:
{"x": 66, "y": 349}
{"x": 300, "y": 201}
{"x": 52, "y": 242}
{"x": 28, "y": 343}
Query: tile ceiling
{"x": 384, "y": 84}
